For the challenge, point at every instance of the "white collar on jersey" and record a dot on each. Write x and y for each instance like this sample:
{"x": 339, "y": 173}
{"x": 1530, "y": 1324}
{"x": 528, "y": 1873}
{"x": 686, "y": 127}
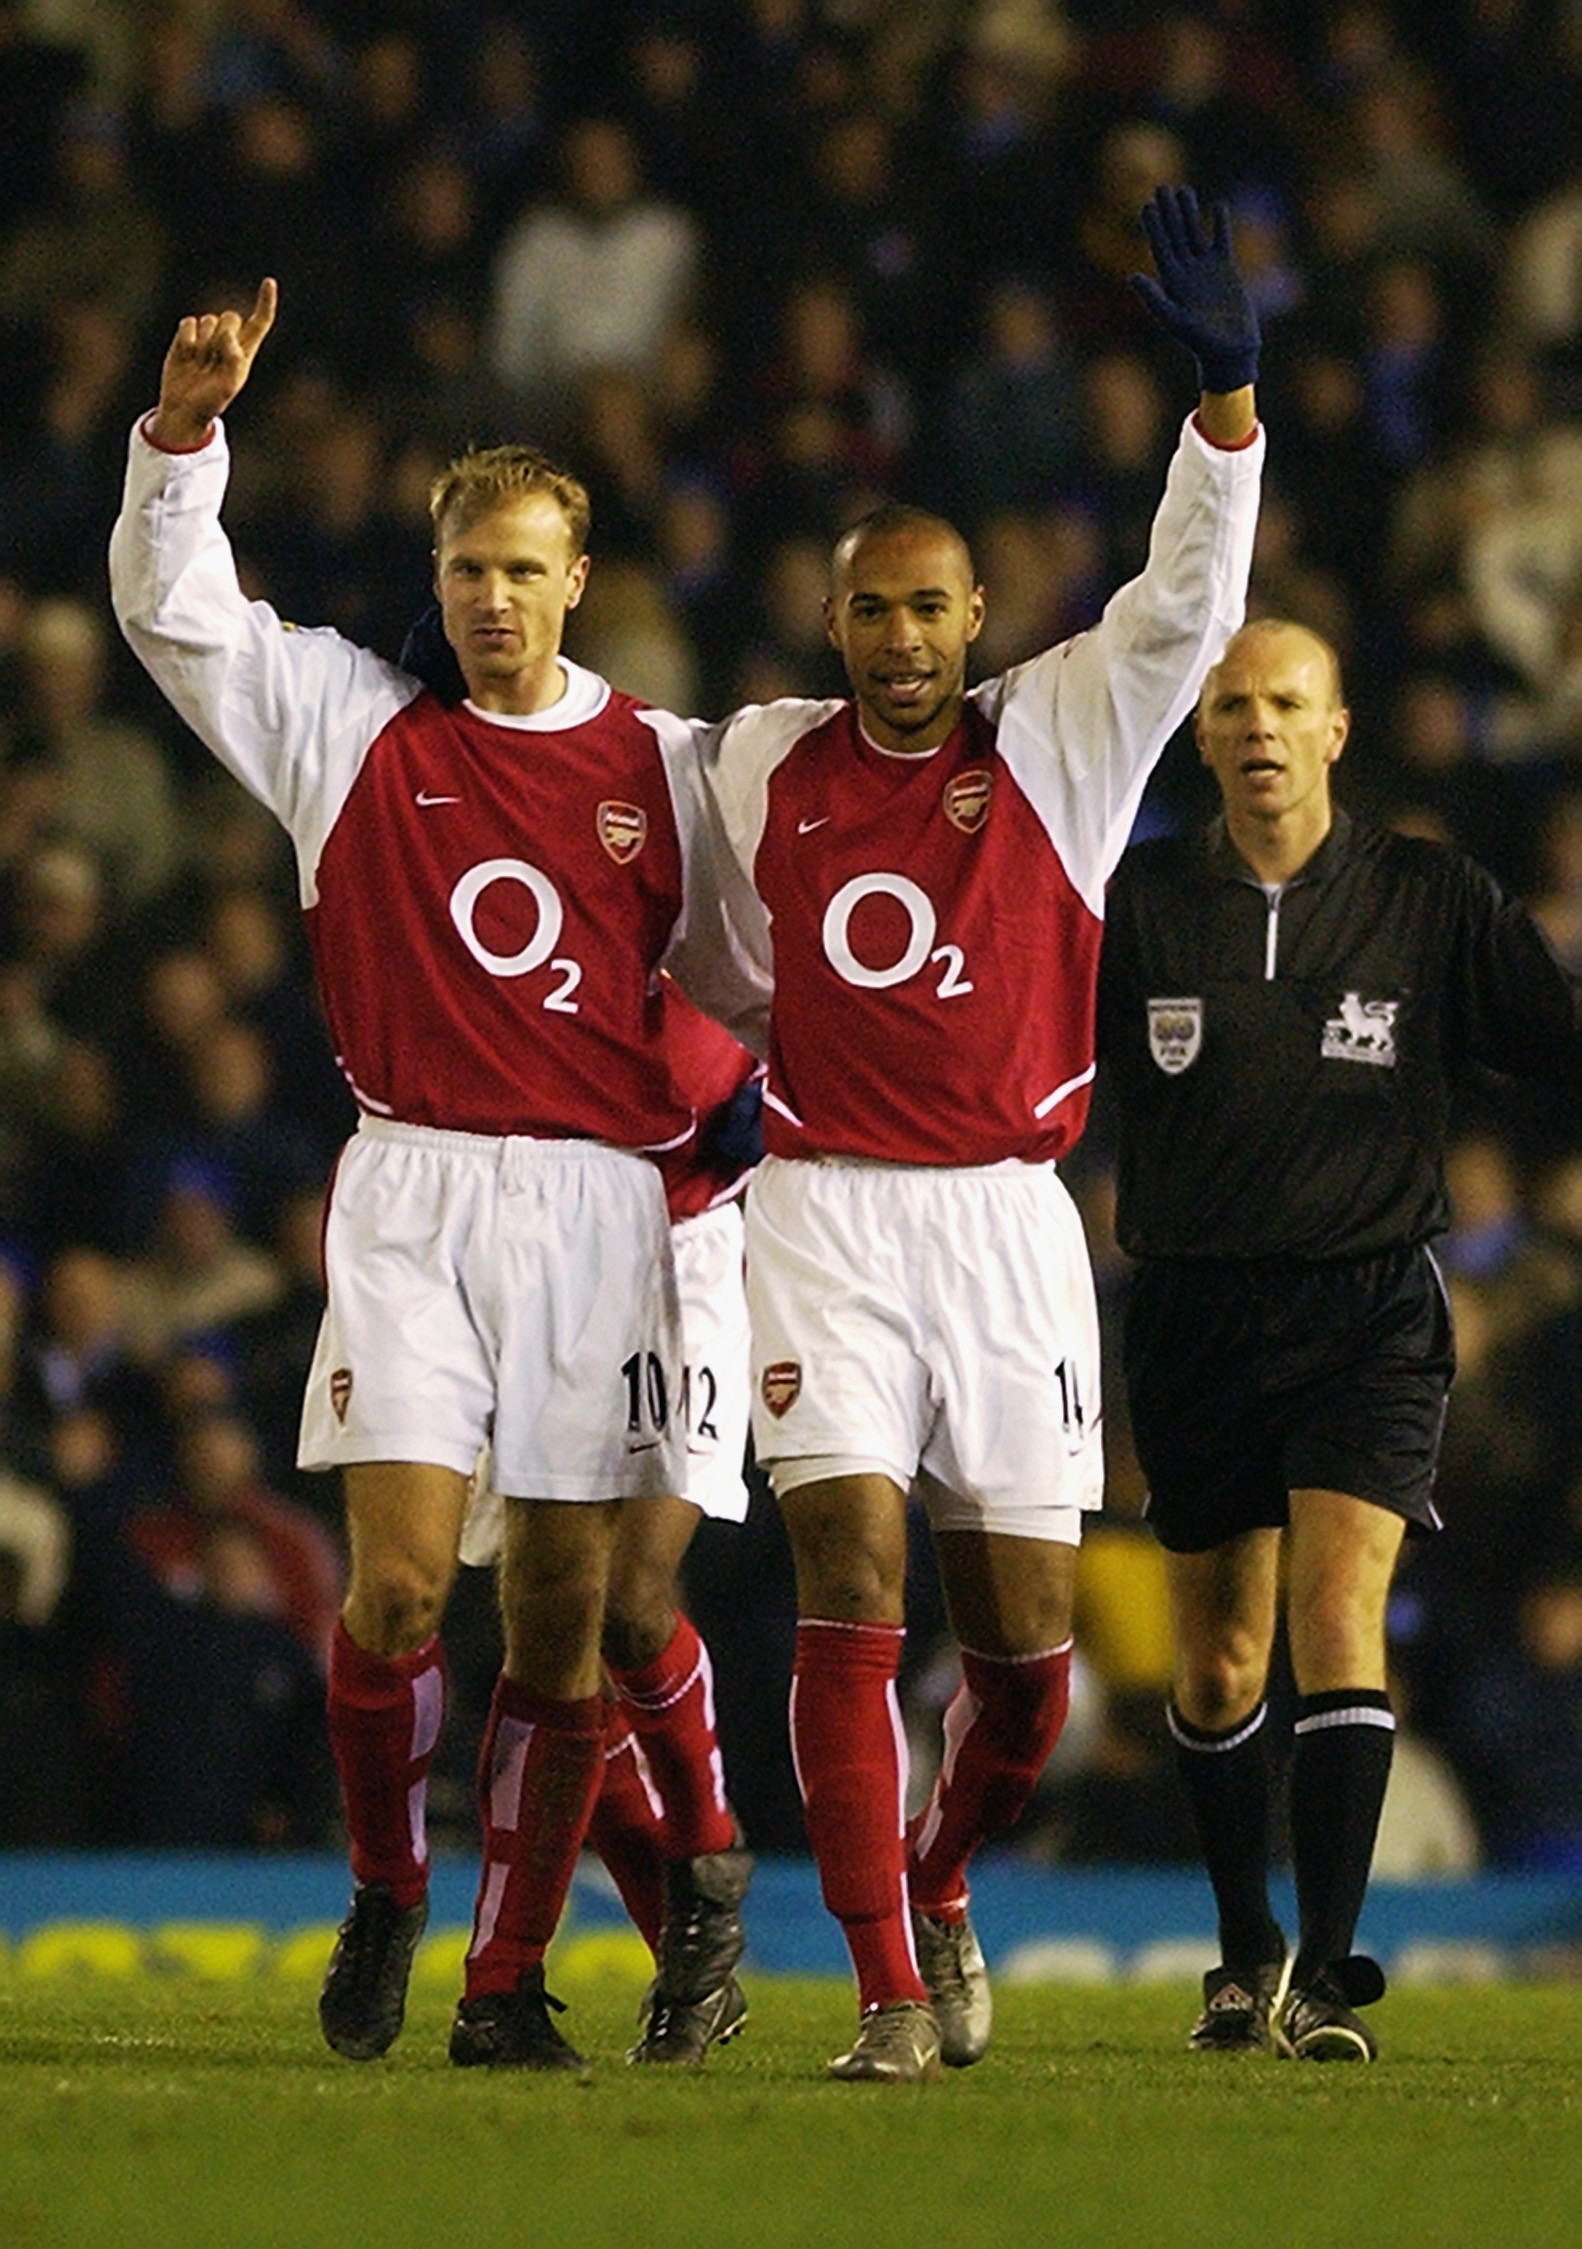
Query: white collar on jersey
{"x": 902, "y": 757}
{"x": 585, "y": 696}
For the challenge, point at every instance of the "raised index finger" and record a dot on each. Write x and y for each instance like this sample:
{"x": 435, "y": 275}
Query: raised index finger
{"x": 262, "y": 317}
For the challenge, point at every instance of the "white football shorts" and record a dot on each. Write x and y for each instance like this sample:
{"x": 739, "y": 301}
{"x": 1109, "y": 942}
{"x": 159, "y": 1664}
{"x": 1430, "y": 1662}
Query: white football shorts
{"x": 712, "y": 1288}
{"x": 909, "y": 1317}
{"x": 712, "y": 1284}
{"x": 508, "y": 1292}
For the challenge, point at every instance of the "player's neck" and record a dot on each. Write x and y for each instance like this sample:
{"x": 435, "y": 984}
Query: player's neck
{"x": 524, "y": 693}
{"x": 893, "y": 743}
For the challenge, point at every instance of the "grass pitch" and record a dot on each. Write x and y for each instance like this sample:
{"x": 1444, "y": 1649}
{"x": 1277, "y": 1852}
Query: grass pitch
{"x": 174, "y": 2112}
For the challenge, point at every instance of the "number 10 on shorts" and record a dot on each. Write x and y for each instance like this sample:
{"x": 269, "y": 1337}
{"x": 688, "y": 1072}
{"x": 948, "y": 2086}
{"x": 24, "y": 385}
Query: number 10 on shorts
{"x": 646, "y": 1388}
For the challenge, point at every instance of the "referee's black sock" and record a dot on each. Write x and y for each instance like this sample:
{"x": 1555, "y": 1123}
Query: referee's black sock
{"x": 1339, "y": 1767}
{"x": 1228, "y": 1780}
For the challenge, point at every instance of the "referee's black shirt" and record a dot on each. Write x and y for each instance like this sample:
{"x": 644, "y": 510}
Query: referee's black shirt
{"x": 1282, "y": 1061}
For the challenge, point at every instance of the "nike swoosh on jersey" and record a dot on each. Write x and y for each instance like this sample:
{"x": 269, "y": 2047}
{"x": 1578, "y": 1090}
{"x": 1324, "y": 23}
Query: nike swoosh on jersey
{"x": 806, "y": 827}
{"x": 425, "y": 799}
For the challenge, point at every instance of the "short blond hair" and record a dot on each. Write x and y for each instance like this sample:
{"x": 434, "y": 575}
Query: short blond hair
{"x": 478, "y": 482}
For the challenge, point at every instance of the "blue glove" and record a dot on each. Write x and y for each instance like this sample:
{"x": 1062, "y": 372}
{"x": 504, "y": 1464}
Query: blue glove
{"x": 1199, "y": 295}
{"x": 732, "y": 1139}
{"x": 429, "y": 656}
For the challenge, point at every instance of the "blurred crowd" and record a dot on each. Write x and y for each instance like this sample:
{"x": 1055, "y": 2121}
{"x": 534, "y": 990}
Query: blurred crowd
{"x": 748, "y": 266}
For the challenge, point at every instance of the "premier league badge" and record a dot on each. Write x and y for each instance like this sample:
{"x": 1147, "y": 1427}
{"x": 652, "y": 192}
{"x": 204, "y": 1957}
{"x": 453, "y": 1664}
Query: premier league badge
{"x": 1175, "y": 1034}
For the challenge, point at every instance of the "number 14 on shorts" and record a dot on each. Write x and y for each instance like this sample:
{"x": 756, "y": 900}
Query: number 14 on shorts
{"x": 1073, "y": 1409}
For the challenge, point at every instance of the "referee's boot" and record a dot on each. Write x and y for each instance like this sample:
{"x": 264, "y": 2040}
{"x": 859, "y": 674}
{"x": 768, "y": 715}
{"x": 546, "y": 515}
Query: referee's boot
{"x": 1319, "y": 2022}
{"x": 363, "y": 2002}
{"x": 695, "y": 2001}
{"x": 1240, "y": 2008}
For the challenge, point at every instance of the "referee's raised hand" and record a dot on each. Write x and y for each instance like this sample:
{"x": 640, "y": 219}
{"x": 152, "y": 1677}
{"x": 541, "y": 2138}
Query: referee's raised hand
{"x": 210, "y": 357}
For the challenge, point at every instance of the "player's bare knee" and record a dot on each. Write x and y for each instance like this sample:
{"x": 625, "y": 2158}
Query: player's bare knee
{"x": 1217, "y": 1686}
{"x": 639, "y": 1620}
{"x": 394, "y": 1608}
{"x": 849, "y": 1588}
{"x": 559, "y": 1597}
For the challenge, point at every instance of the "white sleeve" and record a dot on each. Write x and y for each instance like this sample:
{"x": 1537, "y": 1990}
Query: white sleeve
{"x": 1083, "y": 725}
{"x": 718, "y": 953}
{"x": 289, "y": 712}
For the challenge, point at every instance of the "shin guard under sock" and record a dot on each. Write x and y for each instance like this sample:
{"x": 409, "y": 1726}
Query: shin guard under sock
{"x": 670, "y": 1706}
{"x": 1340, "y": 1766}
{"x": 538, "y": 1774}
{"x": 1000, "y": 1728}
{"x": 1229, "y": 1783}
{"x": 849, "y": 1747}
{"x": 385, "y": 1714}
{"x": 627, "y": 1827}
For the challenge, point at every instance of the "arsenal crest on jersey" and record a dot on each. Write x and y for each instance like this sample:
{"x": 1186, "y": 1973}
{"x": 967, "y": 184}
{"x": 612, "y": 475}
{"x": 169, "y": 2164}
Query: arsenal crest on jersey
{"x": 623, "y": 830}
{"x": 1175, "y": 1034}
{"x": 781, "y": 1385}
{"x": 967, "y": 799}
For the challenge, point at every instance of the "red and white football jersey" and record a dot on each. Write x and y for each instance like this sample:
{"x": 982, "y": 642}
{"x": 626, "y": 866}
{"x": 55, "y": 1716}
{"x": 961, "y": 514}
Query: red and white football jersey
{"x": 933, "y": 922}
{"x": 488, "y": 898}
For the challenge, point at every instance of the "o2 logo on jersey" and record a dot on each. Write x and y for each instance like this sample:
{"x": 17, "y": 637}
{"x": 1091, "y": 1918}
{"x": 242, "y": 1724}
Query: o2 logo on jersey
{"x": 540, "y": 947}
{"x": 918, "y": 952}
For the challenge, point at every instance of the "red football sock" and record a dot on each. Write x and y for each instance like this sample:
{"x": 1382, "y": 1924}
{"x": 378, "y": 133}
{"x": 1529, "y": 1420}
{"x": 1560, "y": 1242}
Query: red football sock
{"x": 1002, "y": 1724}
{"x": 538, "y": 1773}
{"x": 850, "y": 1752}
{"x": 670, "y": 1703}
{"x": 627, "y": 1827}
{"x": 385, "y": 1714}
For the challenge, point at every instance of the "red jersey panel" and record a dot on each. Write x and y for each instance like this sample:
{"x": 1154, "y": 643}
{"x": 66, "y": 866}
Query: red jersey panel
{"x": 927, "y": 1015}
{"x": 491, "y": 905}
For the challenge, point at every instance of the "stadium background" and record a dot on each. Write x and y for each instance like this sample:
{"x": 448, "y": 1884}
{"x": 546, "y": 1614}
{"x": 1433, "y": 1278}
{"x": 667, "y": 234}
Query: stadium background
{"x": 807, "y": 256}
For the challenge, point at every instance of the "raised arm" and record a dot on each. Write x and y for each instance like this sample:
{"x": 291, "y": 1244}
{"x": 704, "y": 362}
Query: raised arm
{"x": 288, "y": 713}
{"x": 1201, "y": 298}
{"x": 210, "y": 357}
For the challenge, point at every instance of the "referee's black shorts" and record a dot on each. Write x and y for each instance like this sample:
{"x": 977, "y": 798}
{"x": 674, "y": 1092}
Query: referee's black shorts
{"x": 1251, "y": 1379}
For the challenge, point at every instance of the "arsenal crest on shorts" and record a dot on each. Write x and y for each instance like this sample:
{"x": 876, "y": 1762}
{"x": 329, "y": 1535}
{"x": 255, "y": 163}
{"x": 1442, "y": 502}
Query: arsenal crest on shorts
{"x": 781, "y": 1384}
{"x": 341, "y": 1391}
{"x": 623, "y": 830}
{"x": 967, "y": 799}
{"x": 1175, "y": 1033}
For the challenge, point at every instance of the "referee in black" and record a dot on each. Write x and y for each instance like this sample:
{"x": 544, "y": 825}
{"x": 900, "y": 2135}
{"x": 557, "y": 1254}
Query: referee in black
{"x": 1285, "y": 1004}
